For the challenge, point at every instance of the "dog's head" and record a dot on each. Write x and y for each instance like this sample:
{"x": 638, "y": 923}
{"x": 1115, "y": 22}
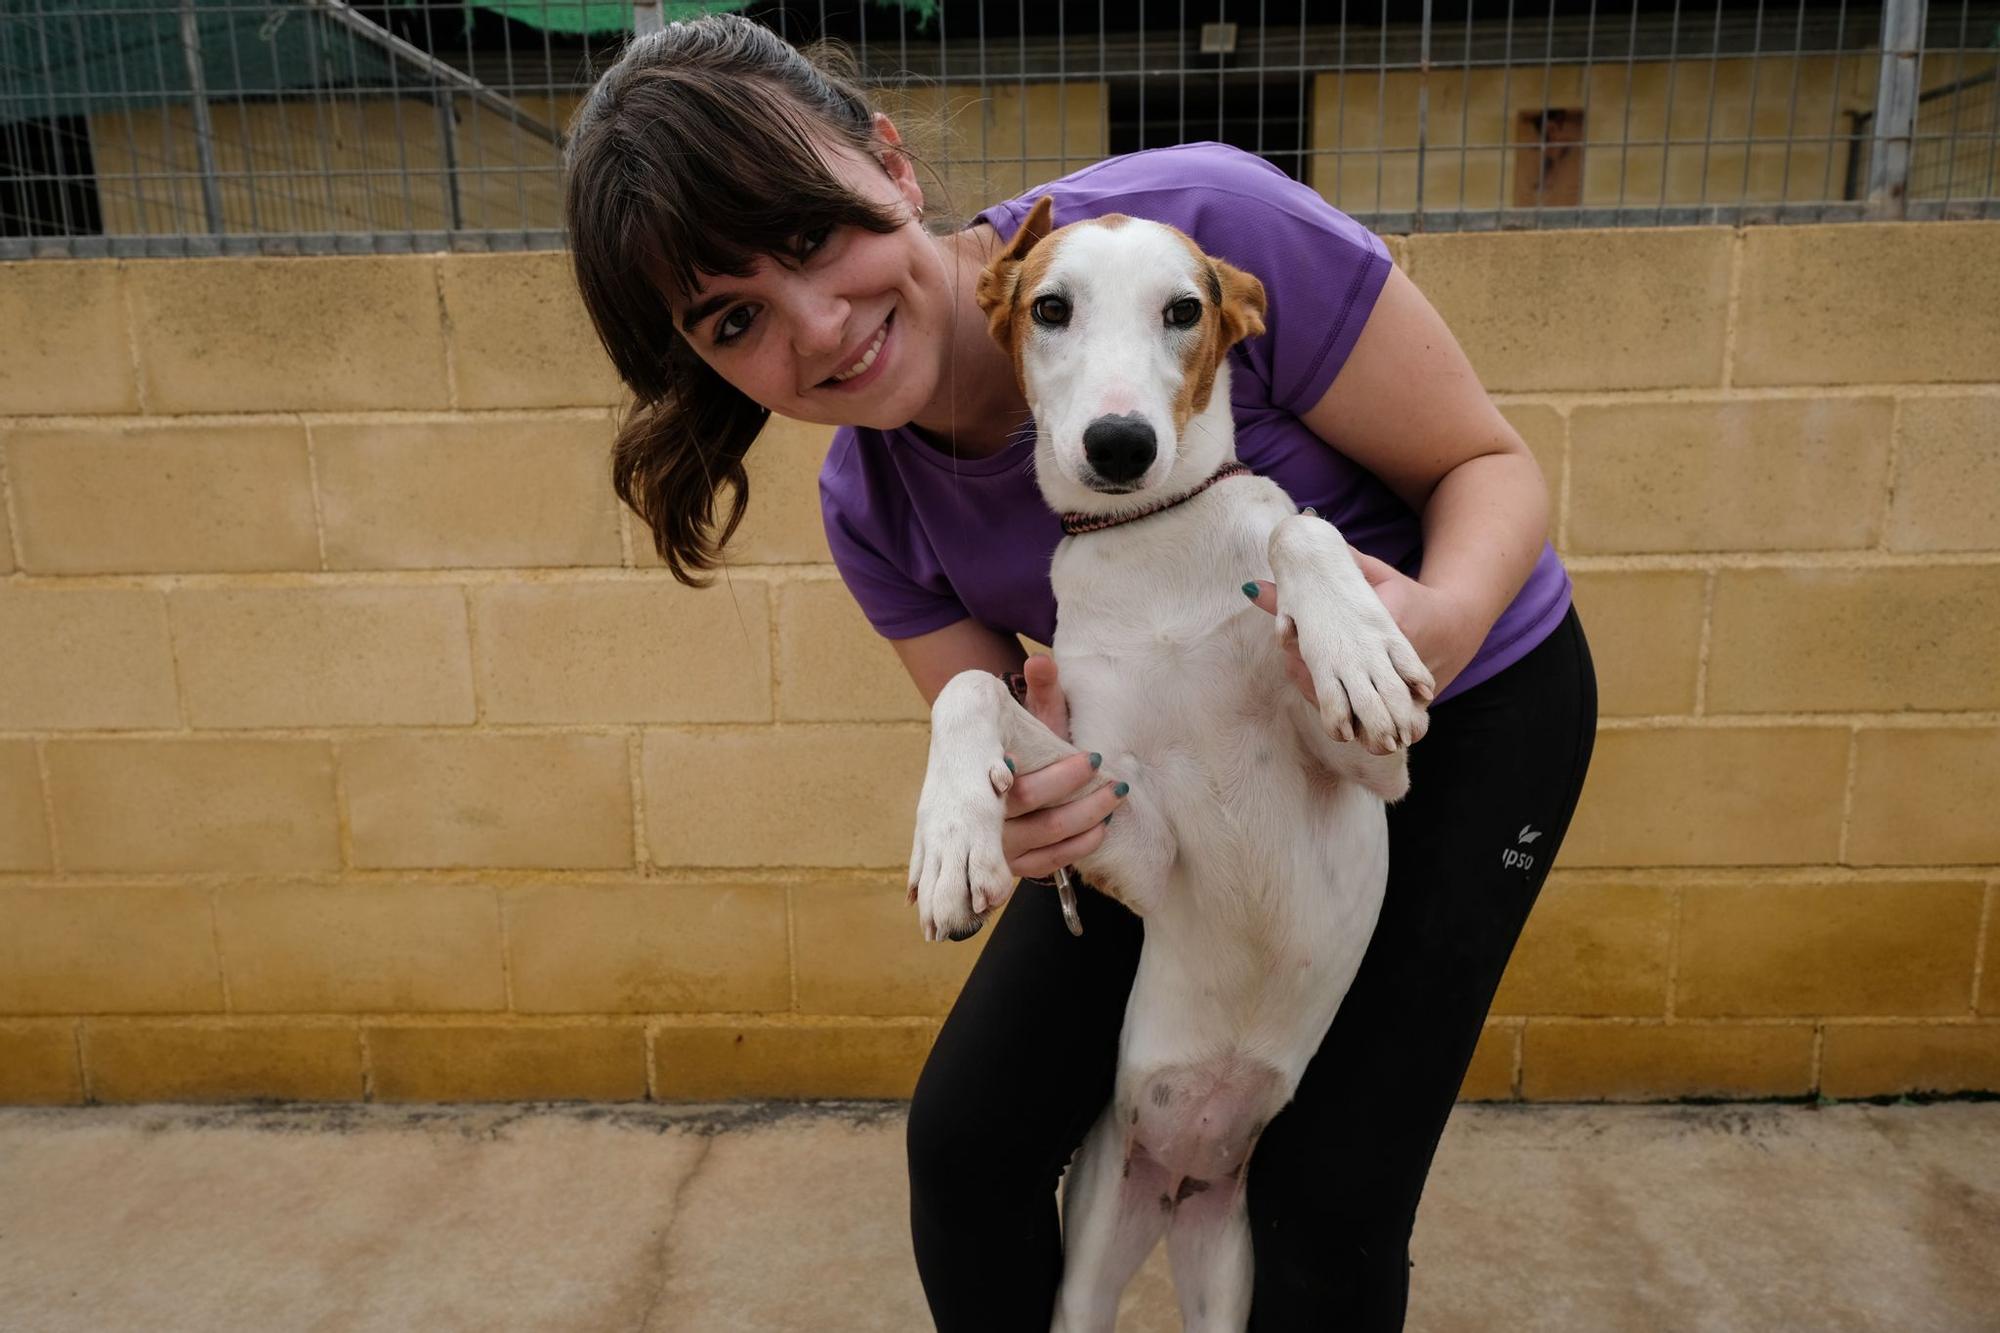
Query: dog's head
{"x": 1118, "y": 328}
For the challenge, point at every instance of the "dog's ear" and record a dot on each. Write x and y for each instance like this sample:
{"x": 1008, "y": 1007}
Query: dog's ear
{"x": 1003, "y": 271}
{"x": 1242, "y": 303}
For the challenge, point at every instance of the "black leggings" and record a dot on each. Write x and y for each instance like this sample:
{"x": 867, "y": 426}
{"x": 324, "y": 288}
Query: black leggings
{"x": 1026, "y": 1059}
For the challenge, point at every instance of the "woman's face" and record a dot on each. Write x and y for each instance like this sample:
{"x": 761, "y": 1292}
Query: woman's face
{"x": 852, "y": 336}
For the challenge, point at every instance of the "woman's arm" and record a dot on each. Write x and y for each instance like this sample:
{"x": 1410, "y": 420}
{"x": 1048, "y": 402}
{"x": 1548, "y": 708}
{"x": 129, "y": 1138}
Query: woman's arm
{"x": 1408, "y": 407}
{"x": 1045, "y": 827}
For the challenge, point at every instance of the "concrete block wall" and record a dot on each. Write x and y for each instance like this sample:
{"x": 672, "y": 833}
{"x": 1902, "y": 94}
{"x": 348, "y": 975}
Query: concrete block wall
{"x": 353, "y": 743}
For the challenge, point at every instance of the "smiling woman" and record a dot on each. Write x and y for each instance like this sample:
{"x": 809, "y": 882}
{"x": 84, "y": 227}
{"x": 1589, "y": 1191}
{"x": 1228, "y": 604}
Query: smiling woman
{"x": 748, "y": 239}
{"x": 718, "y": 162}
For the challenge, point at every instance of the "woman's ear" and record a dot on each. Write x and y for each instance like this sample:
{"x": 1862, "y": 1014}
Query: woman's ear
{"x": 901, "y": 171}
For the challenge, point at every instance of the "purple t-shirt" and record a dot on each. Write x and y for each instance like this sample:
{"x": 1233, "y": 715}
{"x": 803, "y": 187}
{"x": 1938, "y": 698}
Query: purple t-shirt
{"x": 925, "y": 539}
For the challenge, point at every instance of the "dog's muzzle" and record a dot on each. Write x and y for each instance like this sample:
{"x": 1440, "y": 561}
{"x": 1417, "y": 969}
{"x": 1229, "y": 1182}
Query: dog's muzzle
{"x": 1120, "y": 449}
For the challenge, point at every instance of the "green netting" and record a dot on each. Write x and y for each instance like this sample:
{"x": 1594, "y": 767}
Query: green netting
{"x": 85, "y": 57}
{"x": 584, "y": 16}
{"x": 580, "y": 16}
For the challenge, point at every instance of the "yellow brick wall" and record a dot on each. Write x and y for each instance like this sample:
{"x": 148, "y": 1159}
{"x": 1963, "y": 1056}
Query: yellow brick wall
{"x": 354, "y": 745}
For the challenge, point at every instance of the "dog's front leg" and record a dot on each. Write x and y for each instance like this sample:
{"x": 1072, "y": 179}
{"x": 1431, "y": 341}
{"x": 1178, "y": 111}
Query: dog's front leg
{"x": 1370, "y": 681}
{"x": 958, "y": 871}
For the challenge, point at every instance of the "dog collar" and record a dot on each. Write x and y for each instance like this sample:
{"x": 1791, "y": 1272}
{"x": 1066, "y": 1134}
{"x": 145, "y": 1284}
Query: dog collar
{"x": 1073, "y": 524}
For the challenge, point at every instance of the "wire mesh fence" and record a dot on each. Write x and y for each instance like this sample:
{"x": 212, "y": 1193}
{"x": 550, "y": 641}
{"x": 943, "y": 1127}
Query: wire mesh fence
{"x": 273, "y": 126}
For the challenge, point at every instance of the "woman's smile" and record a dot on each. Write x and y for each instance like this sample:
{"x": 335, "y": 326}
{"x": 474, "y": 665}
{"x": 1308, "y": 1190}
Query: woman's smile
{"x": 864, "y": 369}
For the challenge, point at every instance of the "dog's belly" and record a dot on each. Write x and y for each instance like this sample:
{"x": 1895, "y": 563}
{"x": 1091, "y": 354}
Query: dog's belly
{"x": 1278, "y": 864}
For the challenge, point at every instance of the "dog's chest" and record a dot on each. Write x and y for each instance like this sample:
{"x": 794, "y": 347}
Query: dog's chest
{"x": 1162, "y": 656}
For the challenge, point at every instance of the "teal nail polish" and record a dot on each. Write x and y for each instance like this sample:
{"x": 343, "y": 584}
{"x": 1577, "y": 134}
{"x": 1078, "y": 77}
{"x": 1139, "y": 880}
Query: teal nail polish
{"x": 1121, "y": 789}
{"x": 1250, "y": 591}
{"x": 1096, "y": 759}
{"x": 1009, "y": 763}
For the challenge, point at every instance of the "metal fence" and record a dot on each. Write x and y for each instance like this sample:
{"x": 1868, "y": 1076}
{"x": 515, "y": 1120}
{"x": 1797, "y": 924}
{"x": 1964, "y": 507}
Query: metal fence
{"x": 133, "y": 127}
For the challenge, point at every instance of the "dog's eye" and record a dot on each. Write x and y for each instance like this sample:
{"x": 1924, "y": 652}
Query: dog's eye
{"x": 1051, "y": 310}
{"x": 1183, "y": 312}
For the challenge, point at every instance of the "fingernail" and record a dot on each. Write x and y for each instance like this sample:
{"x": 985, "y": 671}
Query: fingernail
{"x": 1250, "y": 591}
{"x": 1009, "y": 763}
{"x": 1121, "y": 789}
{"x": 1096, "y": 759}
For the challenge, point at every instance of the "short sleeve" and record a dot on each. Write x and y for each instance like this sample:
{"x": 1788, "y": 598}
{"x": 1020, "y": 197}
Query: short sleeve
{"x": 1322, "y": 272}
{"x": 870, "y": 542}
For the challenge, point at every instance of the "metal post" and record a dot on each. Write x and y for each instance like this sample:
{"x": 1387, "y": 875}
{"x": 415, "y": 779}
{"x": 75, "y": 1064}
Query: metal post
{"x": 1895, "y": 108}
{"x": 448, "y": 137}
{"x": 646, "y": 17}
{"x": 204, "y": 131}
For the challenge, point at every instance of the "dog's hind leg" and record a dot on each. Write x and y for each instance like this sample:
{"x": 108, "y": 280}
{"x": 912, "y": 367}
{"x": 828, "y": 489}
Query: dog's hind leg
{"x": 1208, "y": 1246}
{"x": 1116, "y": 1202}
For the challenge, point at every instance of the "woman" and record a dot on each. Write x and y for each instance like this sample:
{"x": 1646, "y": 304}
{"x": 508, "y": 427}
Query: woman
{"x": 747, "y": 239}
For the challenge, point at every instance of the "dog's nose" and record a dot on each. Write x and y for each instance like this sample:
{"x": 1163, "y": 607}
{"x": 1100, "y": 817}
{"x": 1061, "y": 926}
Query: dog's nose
{"x": 1119, "y": 449}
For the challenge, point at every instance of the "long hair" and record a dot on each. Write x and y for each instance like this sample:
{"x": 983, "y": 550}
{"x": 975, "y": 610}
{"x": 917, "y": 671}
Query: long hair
{"x": 700, "y": 151}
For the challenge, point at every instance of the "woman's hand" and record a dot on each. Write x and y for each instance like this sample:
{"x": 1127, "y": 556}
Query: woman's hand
{"x": 1048, "y": 825}
{"x": 1442, "y": 630}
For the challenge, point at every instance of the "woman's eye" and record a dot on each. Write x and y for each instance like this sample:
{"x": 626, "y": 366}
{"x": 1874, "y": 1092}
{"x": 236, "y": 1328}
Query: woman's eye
{"x": 1184, "y": 312}
{"x": 812, "y": 240}
{"x": 733, "y": 324}
{"x": 1051, "y": 310}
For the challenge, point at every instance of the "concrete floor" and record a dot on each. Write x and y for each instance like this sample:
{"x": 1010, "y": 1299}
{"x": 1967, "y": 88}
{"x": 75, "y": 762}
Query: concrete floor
{"x": 552, "y": 1219}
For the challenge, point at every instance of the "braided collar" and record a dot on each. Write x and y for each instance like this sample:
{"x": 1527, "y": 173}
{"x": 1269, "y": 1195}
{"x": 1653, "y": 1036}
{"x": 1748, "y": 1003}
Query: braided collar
{"x": 1073, "y": 524}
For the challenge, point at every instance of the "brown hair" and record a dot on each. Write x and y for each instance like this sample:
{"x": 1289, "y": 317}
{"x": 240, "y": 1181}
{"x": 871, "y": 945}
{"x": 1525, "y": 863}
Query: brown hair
{"x": 700, "y": 151}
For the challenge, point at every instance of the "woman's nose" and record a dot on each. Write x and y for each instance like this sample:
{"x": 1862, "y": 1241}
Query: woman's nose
{"x": 819, "y": 324}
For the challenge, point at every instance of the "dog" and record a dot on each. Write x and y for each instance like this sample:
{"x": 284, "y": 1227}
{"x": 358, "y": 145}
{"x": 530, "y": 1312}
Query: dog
{"x": 1253, "y": 842}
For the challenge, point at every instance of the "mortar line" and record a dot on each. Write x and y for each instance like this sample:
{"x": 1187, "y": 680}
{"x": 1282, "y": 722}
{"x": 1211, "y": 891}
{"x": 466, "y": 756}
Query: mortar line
{"x": 1674, "y": 952}
{"x": 635, "y": 765}
{"x": 342, "y": 817}
{"x": 506, "y": 949}
{"x": 215, "y": 939}
{"x": 472, "y": 657}
{"x": 7, "y": 510}
{"x": 773, "y": 598}
{"x": 1816, "y": 1074}
{"x": 1519, "y": 1072}
{"x": 367, "y": 1063}
{"x": 41, "y": 753}
{"x": 792, "y": 942}
{"x": 1979, "y": 943}
{"x": 83, "y": 1075}
{"x": 652, "y": 1056}
{"x": 1889, "y": 482}
{"x": 1730, "y": 305}
{"x": 132, "y": 339}
{"x": 182, "y": 708}
{"x": 312, "y": 480}
{"x": 1857, "y": 560}
{"x": 1847, "y": 793}
{"x": 1709, "y": 582}
{"x": 445, "y": 336}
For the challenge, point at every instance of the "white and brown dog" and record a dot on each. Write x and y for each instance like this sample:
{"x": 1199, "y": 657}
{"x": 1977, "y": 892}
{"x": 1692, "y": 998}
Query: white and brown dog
{"x": 1253, "y": 842}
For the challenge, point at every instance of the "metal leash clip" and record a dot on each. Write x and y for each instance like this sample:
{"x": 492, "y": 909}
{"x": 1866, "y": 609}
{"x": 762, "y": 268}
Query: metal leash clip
{"x": 1066, "y": 894}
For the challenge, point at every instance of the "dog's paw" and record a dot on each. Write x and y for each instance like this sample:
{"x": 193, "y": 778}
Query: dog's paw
{"x": 1372, "y": 686}
{"x": 958, "y": 870}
